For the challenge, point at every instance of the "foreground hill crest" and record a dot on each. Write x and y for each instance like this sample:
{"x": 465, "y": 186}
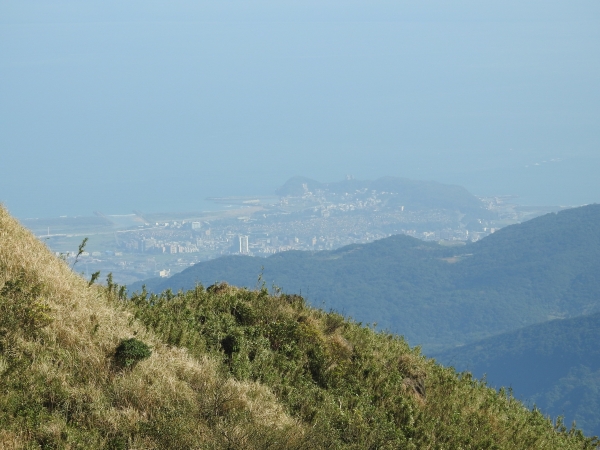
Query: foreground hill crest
{"x": 59, "y": 388}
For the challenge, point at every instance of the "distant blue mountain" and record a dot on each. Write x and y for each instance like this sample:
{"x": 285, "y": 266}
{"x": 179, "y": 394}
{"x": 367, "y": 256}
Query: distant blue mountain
{"x": 414, "y": 194}
{"x": 554, "y": 365}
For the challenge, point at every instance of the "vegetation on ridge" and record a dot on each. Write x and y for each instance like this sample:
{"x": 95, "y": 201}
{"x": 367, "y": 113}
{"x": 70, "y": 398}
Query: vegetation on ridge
{"x": 229, "y": 368}
{"x": 354, "y": 387}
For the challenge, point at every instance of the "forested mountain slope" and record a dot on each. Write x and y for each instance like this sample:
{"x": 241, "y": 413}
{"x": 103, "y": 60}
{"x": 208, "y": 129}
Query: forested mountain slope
{"x": 437, "y": 296}
{"x": 554, "y": 365}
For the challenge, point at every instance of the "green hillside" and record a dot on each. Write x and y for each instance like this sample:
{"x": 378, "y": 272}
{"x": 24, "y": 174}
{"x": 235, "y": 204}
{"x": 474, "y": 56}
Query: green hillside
{"x": 85, "y": 367}
{"x": 555, "y": 365}
{"x": 435, "y": 295}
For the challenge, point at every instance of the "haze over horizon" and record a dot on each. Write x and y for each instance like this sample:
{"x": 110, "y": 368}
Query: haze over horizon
{"x": 118, "y": 106}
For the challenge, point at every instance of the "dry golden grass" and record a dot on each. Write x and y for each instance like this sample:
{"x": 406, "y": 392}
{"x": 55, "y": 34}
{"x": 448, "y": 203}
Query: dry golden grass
{"x": 86, "y": 399}
{"x": 9, "y": 440}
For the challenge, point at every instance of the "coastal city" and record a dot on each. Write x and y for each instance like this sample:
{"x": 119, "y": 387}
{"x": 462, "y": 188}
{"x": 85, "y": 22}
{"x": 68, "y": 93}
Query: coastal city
{"x": 139, "y": 245}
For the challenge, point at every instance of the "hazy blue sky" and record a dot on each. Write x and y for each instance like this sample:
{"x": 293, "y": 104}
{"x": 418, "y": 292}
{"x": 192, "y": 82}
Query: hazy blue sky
{"x": 122, "y": 105}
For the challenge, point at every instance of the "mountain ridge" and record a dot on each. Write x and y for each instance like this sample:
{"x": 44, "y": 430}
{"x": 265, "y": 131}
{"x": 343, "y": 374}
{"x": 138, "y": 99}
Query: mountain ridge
{"x": 409, "y": 193}
{"x": 437, "y": 296}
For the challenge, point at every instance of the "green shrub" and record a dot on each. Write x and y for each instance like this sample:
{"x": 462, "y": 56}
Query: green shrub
{"x": 130, "y": 352}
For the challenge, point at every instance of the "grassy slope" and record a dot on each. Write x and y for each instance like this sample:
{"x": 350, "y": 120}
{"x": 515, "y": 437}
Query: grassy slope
{"x": 60, "y": 389}
{"x": 230, "y": 368}
{"x": 555, "y": 364}
{"x": 354, "y": 387}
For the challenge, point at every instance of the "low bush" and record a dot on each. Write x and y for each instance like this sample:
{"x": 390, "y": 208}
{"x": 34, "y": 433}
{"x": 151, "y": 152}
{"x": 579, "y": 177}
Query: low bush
{"x": 130, "y": 352}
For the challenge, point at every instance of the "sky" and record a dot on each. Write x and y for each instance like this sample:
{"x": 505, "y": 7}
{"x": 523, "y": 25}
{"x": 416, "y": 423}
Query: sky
{"x": 117, "y": 106}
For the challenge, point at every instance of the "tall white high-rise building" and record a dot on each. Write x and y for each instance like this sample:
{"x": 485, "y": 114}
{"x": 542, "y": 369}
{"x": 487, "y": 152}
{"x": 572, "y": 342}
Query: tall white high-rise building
{"x": 243, "y": 244}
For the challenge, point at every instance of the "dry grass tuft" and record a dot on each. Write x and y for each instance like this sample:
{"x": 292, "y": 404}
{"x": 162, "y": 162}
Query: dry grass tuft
{"x": 9, "y": 440}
